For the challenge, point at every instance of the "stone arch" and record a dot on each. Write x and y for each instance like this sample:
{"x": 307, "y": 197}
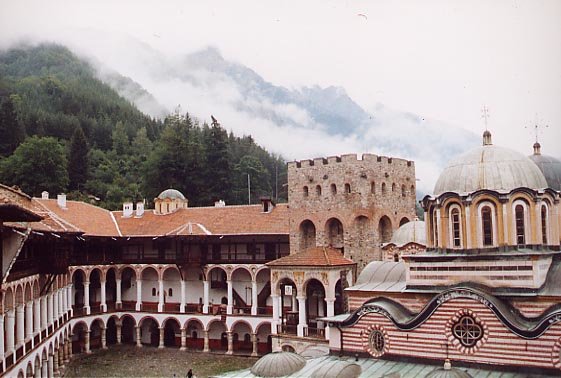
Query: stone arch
{"x": 126, "y": 267}
{"x": 28, "y": 292}
{"x": 403, "y": 221}
{"x": 19, "y": 295}
{"x": 171, "y": 277}
{"x": 111, "y": 288}
{"x": 111, "y": 330}
{"x": 241, "y": 335}
{"x": 263, "y": 280}
{"x": 21, "y": 373}
{"x": 195, "y": 330}
{"x": 96, "y": 278}
{"x": 37, "y": 362}
{"x": 385, "y": 230}
{"x": 79, "y": 337}
{"x": 35, "y": 288}
{"x": 241, "y": 281}
{"x": 9, "y": 300}
{"x": 29, "y": 369}
{"x": 316, "y": 306}
{"x": 172, "y": 332}
{"x": 150, "y": 288}
{"x": 264, "y": 338}
{"x": 128, "y": 290}
{"x": 217, "y": 335}
{"x": 218, "y": 277}
{"x": 334, "y": 233}
{"x": 96, "y": 329}
{"x": 149, "y": 331}
{"x": 307, "y": 233}
{"x": 128, "y": 331}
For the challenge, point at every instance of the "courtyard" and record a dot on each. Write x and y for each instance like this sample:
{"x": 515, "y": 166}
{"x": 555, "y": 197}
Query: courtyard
{"x": 130, "y": 361}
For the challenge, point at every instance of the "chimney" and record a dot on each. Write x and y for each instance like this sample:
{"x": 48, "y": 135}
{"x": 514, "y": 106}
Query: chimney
{"x": 139, "y": 209}
{"x": 267, "y": 204}
{"x": 44, "y": 194}
{"x": 537, "y": 149}
{"x": 127, "y": 209}
{"x": 61, "y": 200}
{"x": 219, "y": 203}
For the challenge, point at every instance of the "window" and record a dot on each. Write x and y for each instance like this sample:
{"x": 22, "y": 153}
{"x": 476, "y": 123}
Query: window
{"x": 333, "y": 189}
{"x": 434, "y": 221}
{"x": 544, "y": 224}
{"x": 305, "y": 190}
{"x": 467, "y": 331}
{"x": 519, "y": 216}
{"x": 393, "y": 187}
{"x": 403, "y": 191}
{"x": 153, "y": 291}
{"x": 487, "y": 226}
{"x": 348, "y": 188}
{"x": 456, "y": 231}
{"x": 318, "y": 190}
{"x": 170, "y": 292}
{"x": 377, "y": 342}
{"x": 372, "y": 187}
{"x": 383, "y": 188}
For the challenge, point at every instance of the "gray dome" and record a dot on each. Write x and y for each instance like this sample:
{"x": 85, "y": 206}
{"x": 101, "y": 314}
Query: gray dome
{"x": 413, "y": 231}
{"x": 489, "y": 167}
{"x": 278, "y": 364}
{"x": 448, "y": 372}
{"x": 171, "y": 194}
{"x": 549, "y": 166}
{"x": 337, "y": 369}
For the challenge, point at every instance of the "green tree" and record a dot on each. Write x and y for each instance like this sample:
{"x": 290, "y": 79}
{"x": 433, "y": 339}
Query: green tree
{"x": 120, "y": 139}
{"x": 11, "y": 132}
{"x": 78, "y": 160}
{"x": 218, "y": 175}
{"x": 259, "y": 179}
{"x": 37, "y": 164}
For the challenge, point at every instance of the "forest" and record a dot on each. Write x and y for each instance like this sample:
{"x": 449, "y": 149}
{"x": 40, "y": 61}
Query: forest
{"x": 64, "y": 130}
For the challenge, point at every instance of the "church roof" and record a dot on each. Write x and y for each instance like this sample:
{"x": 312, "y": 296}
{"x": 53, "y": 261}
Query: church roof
{"x": 381, "y": 276}
{"x": 171, "y": 194}
{"x": 410, "y": 232}
{"x": 278, "y": 364}
{"x": 315, "y": 256}
{"x": 549, "y": 166}
{"x": 489, "y": 167}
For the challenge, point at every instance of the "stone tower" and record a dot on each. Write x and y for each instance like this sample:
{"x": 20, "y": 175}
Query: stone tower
{"x": 349, "y": 203}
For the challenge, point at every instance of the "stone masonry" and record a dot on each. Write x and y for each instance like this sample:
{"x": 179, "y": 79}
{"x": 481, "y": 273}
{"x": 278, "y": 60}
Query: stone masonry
{"x": 349, "y": 203}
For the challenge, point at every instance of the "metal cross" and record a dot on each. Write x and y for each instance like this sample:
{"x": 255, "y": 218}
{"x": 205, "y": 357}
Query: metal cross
{"x": 485, "y": 115}
{"x": 537, "y": 127}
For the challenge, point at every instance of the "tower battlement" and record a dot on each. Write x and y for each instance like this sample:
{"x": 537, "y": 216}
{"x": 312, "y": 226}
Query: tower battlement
{"x": 348, "y": 158}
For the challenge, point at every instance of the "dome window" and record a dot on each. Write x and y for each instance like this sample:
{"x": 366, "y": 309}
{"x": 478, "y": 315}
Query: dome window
{"x": 544, "y": 224}
{"x": 520, "y": 232}
{"x": 456, "y": 227}
{"x": 487, "y": 226}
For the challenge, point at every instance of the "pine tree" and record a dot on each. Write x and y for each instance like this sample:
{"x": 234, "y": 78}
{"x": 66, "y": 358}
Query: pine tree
{"x": 219, "y": 166}
{"x": 11, "y": 132}
{"x": 78, "y": 160}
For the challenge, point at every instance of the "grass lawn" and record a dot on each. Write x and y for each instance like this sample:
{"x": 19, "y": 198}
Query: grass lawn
{"x": 130, "y": 361}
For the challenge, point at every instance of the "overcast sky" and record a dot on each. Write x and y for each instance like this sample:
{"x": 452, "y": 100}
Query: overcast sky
{"x": 442, "y": 60}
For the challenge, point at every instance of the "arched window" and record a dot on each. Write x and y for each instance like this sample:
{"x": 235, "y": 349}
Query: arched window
{"x": 544, "y": 224}
{"x": 372, "y": 187}
{"x": 384, "y": 188}
{"x": 434, "y": 221}
{"x": 348, "y": 188}
{"x": 305, "y": 190}
{"x": 333, "y": 189}
{"x": 318, "y": 190}
{"x": 403, "y": 191}
{"x": 455, "y": 227}
{"x": 170, "y": 292}
{"x": 393, "y": 187}
{"x": 487, "y": 226}
{"x": 153, "y": 291}
{"x": 520, "y": 227}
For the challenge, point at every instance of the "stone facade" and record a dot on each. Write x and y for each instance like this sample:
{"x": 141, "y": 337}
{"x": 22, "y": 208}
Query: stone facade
{"x": 349, "y": 203}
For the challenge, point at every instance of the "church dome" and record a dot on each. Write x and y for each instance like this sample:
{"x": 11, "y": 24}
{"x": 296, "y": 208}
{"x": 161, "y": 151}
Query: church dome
{"x": 410, "y": 232}
{"x": 448, "y": 372}
{"x": 278, "y": 364}
{"x": 337, "y": 369}
{"x": 549, "y": 166}
{"x": 171, "y": 194}
{"x": 489, "y": 167}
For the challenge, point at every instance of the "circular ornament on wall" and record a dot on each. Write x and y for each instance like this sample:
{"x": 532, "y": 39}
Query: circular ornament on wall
{"x": 466, "y": 331}
{"x": 376, "y": 340}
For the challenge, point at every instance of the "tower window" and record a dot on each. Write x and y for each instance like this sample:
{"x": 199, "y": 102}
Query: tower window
{"x": 456, "y": 233}
{"x": 318, "y": 190}
{"x": 333, "y": 189}
{"x": 519, "y": 216}
{"x": 383, "y": 188}
{"x": 305, "y": 191}
{"x": 403, "y": 191}
{"x": 544, "y": 224}
{"x": 487, "y": 226}
{"x": 348, "y": 188}
{"x": 372, "y": 187}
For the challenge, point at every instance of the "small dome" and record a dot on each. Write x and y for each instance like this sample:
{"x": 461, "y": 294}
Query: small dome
{"x": 489, "y": 167}
{"x": 413, "y": 231}
{"x": 549, "y": 166}
{"x": 448, "y": 372}
{"x": 278, "y": 364}
{"x": 171, "y": 194}
{"x": 338, "y": 369}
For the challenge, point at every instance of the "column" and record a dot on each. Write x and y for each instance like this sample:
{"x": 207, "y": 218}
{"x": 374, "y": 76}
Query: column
{"x": 87, "y": 297}
{"x": 206, "y": 348}
{"x": 160, "y": 295}
{"x": 20, "y": 325}
{"x": 302, "y": 324}
{"x": 183, "y": 339}
{"x": 161, "y": 343}
{"x": 230, "y": 342}
{"x": 138, "y": 295}
{"x": 65, "y": 356}
{"x": 10, "y": 331}
{"x": 44, "y": 368}
{"x": 183, "y": 301}
{"x": 330, "y": 312}
{"x": 37, "y": 316}
{"x": 70, "y": 299}
{"x": 87, "y": 342}
{"x": 230, "y": 306}
{"x": 60, "y": 304}
{"x": 2, "y": 350}
{"x": 61, "y": 356}
{"x": 276, "y": 313}
{"x": 55, "y": 308}
{"x": 54, "y": 356}
{"x": 205, "y": 296}
{"x": 50, "y": 364}
{"x": 254, "y": 297}
{"x": 254, "y": 342}
{"x": 64, "y": 305}
{"x": 29, "y": 320}
{"x": 49, "y": 309}
{"x": 538, "y": 233}
{"x": 118, "y": 326}
{"x": 118, "y": 300}
{"x": 69, "y": 346}
{"x": 138, "y": 339}
{"x": 469, "y": 243}
{"x": 103, "y": 338}
{"x": 103, "y": 298}
{"x": 506, "y": 234}
{"x": 44, "y": 317}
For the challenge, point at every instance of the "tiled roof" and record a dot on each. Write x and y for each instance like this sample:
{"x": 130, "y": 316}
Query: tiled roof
{"x": 16, "y": 205}
{"x": 315, "y": 256}
{"x": 228, "y": 220}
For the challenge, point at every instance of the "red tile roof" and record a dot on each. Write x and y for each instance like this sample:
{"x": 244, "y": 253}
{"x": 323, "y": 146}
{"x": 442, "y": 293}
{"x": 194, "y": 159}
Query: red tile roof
{"x": 315, "y": 256}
